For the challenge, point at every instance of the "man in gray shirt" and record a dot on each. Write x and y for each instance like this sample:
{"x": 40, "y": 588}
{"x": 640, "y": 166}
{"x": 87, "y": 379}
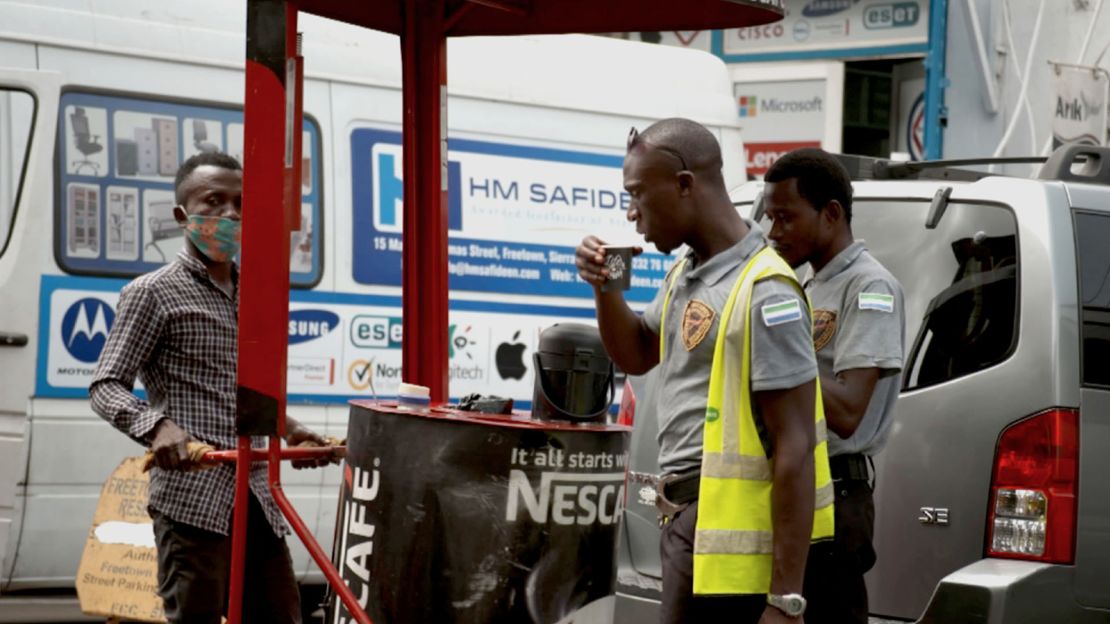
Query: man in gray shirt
{"x": 858, "y": 333}
{"x": 673, "y": 175}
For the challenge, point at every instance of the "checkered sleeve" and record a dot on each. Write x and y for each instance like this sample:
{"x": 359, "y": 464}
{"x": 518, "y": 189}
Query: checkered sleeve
{"x": 131, "y": 341}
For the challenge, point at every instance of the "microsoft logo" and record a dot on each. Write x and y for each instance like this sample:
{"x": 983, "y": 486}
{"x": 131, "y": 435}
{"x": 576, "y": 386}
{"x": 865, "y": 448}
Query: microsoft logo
{"x": 748, "y": 106}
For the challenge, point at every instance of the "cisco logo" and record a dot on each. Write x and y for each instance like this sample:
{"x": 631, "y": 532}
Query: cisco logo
{"x": 85, "y": 328}
{"x": 825, "y": 8}
{"x": 305, "y": 325}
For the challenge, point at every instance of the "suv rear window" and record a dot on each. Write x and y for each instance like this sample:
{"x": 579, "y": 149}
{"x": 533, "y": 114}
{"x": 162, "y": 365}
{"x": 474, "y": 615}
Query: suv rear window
{"x": 960, "y": 282}
{"x": 1092, "y": 233}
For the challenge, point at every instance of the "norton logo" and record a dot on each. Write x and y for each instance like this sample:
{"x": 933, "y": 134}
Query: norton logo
{"x": 305, "y": 325}
{"x": 824, "y": 8}
{"x": 85, "y": 328}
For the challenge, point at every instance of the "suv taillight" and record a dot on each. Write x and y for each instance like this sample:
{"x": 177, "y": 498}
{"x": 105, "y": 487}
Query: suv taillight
{"x": 1034, "y": 487}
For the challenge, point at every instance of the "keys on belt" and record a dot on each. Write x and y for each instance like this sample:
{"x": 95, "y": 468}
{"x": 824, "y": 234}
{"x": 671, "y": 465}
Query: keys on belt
{"x": 672, "y": 493}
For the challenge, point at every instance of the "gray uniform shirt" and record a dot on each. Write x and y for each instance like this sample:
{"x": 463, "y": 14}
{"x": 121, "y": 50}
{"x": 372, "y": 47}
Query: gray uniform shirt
{"x": 782, "y": 349}
{"x": 860, "y": 322}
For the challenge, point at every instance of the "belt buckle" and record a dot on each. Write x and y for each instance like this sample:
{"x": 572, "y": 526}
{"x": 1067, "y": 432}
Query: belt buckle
{"x": 667, "y": 509}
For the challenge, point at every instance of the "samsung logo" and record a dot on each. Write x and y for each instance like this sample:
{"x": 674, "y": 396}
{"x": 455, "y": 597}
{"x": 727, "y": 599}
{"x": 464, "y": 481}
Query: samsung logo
{"x": 305, "y": 325}
{"x": 824, "y": 8}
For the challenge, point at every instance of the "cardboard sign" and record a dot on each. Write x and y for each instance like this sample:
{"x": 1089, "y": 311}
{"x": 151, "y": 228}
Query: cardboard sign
{"x": 118, "y": 574}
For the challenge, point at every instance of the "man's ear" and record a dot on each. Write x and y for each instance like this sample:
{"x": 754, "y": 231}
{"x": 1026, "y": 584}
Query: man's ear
{"x": 180, "y": 215}
{"x": 833, "y": 212}
{"x": 685, "y": 183}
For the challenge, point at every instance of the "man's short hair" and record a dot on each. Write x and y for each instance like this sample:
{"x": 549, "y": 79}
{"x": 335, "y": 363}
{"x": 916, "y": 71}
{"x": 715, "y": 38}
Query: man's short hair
{"x": 821, "y": 177}
{"x": 687, "y": 140}
{"x": 216, "y": 159}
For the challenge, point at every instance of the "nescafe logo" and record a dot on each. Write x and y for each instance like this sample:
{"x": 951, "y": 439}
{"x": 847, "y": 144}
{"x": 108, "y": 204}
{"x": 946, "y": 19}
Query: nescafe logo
{"x": 825, "y": 8}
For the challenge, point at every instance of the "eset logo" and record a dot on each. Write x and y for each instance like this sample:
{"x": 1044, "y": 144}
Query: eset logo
{"x": 85, "y": 328}
{"x": 748, "y": 106}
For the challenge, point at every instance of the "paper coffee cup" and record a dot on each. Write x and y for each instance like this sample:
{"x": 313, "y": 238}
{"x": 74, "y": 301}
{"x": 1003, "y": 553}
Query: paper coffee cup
{"x": 618, "y": 260}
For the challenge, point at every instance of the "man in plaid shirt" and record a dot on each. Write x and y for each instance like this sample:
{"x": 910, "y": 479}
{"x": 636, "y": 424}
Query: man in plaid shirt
{"x": 177, "y": 330}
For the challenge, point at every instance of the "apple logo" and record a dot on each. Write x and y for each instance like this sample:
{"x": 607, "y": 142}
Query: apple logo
{"x": 510, "y": 359}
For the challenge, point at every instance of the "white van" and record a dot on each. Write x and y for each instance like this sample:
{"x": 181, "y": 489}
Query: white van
{"x": 99, "y": 107}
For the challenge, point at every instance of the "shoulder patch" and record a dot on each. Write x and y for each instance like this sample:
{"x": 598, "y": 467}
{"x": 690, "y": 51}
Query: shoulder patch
{"x": 696, "y": 322}
{"x": 880, "y": 302}
{"x": 782, "y": 312}
{"x": 824, "y": 327}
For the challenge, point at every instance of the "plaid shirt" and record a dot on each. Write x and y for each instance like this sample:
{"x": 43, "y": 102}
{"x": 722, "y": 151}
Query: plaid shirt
{"x": 178, "y": 332}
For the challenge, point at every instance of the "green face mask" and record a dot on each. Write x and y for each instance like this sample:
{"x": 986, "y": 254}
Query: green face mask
{"x": 215, "y": 237}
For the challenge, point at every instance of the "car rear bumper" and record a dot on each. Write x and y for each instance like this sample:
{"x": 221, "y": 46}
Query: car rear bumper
{"x": 1002, "y": 591}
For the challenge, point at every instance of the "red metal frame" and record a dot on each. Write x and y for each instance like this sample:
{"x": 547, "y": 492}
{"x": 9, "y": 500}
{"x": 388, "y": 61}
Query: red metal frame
{"x": 424, "y": 273}
{"x": 273, "y": 66}
{"x": 274, "y": 82}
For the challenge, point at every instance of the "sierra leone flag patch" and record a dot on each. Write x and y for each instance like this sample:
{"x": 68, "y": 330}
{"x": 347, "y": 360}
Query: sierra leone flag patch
{"x": 779, "y": 313}
{"x": 876, "y": 301}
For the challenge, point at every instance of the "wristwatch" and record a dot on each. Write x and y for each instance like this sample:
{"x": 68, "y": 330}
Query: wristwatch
{"x": 792, "y": 605}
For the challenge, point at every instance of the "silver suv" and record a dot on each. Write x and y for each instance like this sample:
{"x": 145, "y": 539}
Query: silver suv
{"x": 993, "y": 492}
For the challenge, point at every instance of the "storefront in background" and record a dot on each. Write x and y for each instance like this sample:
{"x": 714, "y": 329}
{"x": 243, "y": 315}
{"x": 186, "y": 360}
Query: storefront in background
{"x": 846, "y": 75}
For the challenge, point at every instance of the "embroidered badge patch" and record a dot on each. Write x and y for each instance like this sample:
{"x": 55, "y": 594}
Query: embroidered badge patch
{"x": 779, "y": 313}
{"x": 876, "y": 301}
{"x": 824, "y": 327}
{"x": 696, "y": 322}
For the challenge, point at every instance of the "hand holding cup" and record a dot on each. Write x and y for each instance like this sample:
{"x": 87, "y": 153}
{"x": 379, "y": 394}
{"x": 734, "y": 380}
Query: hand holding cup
{"x": 607, "y": 267}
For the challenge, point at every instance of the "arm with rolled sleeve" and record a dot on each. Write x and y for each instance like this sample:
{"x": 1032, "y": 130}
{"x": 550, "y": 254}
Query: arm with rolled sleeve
{"x": 868, "y": 348}
{"x": 134, "y": 335}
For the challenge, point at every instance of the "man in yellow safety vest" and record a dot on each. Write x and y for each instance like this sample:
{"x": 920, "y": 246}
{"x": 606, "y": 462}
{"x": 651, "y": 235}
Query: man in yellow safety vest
{"x": 746, "y": 485}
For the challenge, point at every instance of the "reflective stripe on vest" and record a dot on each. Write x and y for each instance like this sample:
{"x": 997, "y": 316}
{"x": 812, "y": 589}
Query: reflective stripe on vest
{"x": 734, "y": 538}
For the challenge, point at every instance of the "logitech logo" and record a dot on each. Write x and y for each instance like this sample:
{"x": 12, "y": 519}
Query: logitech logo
{"x": 459, "y": 342}
{"x": 85, "y": 328}
{"x": 305, "y": 325}
{"x": 824, "y": 8}
{"x": 389, "y": 190}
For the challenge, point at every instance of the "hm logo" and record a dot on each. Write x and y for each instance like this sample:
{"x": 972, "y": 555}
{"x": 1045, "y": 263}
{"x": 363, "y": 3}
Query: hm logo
{"x": 389, "y": 190}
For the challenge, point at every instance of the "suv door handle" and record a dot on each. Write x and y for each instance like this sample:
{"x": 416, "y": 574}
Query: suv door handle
{"x": 9, "y": 339}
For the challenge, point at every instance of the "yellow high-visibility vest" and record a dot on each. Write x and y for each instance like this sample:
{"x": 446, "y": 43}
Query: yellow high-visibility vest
{"x": 734, "y": 538}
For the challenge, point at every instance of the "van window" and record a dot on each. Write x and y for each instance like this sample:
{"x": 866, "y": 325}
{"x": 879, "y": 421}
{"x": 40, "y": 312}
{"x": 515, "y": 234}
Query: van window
{"x": 17, "y": 117}
{"x": 117, "y": 157}
{"x": 1092, "y": 233}
{"x": 960, "y": 282}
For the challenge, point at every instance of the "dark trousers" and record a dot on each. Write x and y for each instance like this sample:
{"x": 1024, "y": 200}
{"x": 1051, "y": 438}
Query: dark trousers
{"x": 834, "y": 587}
{"x": 679, "y": 605}
{"x": 194, "y": 566}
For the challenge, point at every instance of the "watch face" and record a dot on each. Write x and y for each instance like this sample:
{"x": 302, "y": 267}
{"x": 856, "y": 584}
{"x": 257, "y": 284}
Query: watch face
{"x": 790, "y": 604}
{"x": 794, "y": 604}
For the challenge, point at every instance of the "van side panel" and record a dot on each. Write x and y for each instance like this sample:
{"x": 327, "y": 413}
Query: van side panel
{"x": 21, "y": 55}
{"x": 18, "y": 314}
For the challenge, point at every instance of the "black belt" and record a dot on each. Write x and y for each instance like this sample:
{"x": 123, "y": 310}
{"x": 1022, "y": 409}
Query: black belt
{"x": 681, "y": 489}
{"x": 849, "y": 467}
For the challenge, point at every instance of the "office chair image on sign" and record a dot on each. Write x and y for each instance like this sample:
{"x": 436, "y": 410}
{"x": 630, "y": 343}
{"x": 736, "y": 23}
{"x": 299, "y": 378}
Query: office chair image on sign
{"x": 200, "y": 137}
{"x": 87, "y": 144}
{"x": 162, "y": 226}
